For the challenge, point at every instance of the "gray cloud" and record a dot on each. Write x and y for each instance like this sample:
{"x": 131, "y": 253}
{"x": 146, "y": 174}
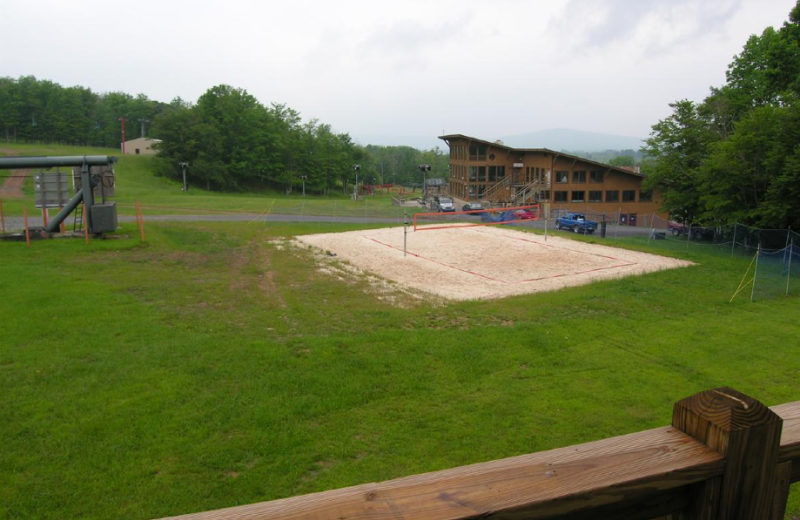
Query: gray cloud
{"x": 621, "y": 19}
{"x": 411, "y": 36}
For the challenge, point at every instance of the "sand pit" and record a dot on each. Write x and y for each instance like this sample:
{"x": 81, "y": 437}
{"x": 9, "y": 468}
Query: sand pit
{"x": 470, "y": 263}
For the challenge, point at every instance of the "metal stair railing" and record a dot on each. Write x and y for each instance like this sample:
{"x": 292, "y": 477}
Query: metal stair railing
{"x": 503, "y": 183}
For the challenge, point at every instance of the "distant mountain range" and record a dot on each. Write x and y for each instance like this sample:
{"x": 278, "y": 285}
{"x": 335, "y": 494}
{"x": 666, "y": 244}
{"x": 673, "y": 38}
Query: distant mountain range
{"x": 559, "y": 139}
{"x": 569, "y": 140}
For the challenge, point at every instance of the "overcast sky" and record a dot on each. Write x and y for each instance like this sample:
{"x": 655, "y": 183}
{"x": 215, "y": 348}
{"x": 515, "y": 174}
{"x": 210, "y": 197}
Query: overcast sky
{"x": 411, "y": 68}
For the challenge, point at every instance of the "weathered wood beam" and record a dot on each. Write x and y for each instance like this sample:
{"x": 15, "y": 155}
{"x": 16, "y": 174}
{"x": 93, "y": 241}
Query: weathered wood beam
{"x": 748, "y": 435}
{"x": 541, "y": 485}
{"x": 662, "y": 473}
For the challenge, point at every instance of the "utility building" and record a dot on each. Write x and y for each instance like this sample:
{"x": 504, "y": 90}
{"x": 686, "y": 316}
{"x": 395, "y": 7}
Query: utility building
{"x": 493, "y": 172}
{"x": 140, "y": 146}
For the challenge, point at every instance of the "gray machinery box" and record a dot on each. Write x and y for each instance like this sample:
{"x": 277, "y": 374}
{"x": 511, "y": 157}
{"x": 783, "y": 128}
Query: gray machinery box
{"x": 104, "y": 217}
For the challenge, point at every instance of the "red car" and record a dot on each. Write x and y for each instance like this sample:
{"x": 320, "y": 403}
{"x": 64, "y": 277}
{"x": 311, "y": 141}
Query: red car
{"x": 524, "y": 214}
{"x": 676, "y": 228}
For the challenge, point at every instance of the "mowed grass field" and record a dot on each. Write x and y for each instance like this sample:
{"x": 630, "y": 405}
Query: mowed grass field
{"x": 217, "y": 365}
{"x": 161, "y": 196}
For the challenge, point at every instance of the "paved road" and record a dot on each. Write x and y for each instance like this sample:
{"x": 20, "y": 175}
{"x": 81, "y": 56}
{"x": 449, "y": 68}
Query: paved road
{"x": 17, "y": 223}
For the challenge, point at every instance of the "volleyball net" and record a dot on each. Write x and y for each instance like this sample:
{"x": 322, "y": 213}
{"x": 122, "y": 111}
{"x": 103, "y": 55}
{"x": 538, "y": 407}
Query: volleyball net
{"x": 477, "y": 217}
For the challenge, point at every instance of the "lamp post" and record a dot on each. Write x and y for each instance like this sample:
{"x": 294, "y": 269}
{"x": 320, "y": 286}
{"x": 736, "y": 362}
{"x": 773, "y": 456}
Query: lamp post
{"x": 183, "y": 166}
{"x": 304, "y": 177}
{"x": 357, "y": 168}
{"x": 424, "y": 168}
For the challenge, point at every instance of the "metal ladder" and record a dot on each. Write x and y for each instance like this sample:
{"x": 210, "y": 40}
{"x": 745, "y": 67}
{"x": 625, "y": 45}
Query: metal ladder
{"x": 77, "y": 224}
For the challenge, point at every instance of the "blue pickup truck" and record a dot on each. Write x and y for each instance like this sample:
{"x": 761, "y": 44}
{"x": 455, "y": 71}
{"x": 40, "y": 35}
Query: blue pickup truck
{"x": 577, "y": 222}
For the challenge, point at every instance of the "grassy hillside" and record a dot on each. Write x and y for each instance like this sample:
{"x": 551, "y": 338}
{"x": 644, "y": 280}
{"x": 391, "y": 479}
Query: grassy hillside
{"x": 136, "y": 182}
{"x": 218, "y": 365}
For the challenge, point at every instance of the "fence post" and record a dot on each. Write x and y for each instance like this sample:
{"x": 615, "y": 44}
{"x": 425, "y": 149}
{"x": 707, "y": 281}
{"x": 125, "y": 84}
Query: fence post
{"x": 733, "y": 244}
{"x": 755, "y": 273}
{"x": 789, "y": 268}
{"x": 27, "y": 231}
{"x": 747, "y": 434}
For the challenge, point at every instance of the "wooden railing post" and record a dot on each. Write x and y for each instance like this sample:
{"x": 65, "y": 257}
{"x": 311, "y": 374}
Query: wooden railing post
{"x": 748, "y": 435}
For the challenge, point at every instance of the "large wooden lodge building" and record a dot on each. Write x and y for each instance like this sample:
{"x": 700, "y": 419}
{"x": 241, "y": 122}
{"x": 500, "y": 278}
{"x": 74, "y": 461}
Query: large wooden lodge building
{"x": 493, "y": 172}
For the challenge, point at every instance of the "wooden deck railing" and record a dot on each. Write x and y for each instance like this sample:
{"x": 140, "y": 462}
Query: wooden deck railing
{"x": 725, "y": 456}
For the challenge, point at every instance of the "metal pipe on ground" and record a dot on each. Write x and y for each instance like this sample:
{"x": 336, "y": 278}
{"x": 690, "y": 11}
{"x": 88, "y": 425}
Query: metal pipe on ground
{"x": 64, "y": 213}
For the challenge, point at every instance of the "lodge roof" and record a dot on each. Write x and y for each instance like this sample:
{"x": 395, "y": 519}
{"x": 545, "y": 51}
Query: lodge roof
{"x": 496, "y": 144}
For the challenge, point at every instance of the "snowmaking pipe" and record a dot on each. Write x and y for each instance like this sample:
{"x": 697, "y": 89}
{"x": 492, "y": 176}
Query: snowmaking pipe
{"x": 83, "y": 195}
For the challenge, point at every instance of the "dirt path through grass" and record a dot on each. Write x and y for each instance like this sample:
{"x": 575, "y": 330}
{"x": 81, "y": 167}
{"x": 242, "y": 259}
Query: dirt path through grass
{"x": 12, "y": 186}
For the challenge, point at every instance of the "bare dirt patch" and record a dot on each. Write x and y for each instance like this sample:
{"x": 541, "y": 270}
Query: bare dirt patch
{"x": 484, "y": 262}
{"x": 11, "y": 188}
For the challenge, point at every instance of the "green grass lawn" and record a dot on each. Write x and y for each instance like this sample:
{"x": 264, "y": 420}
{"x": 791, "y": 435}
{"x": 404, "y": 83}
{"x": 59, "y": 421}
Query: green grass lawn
{"x": 215, "y": 366}
{"x": 160, "y": 196}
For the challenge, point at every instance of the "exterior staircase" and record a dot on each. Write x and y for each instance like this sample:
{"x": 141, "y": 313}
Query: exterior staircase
{"x": 500, "y": 191}
{"x": 526, "y": 193}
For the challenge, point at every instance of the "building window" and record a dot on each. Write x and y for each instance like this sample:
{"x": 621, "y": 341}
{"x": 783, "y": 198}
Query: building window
{"x": 628, "y": 195}
{"x": 579, "y": 177}
{"x": 481, "y": 173}
{"x": 560, "y": 196}
{"x": 562, "y": 177}
{"x": 612, "y": 196}
{"x": 596, "y": 196}
{"x": 501, "y": 172}
{"x": 577, "y": 196}
{"x": 596, "y": 176}
{"x": 492, "y": 173}
{"x": 473, "y": 174}
{"x": 645, "y": 196}
{"x": 477, "y": 152}
{"x": 545, "y": 195}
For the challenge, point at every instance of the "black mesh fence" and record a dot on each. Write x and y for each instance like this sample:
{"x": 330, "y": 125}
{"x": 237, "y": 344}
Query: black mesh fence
{"x": 776, "y": 273}
{"x": 773, "y": 254}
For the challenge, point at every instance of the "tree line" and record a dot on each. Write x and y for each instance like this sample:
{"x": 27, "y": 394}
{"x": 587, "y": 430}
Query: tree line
{"x": 735, "y": 156}
{"x": 33, "y": 110}
{"x": 231, "y": 141}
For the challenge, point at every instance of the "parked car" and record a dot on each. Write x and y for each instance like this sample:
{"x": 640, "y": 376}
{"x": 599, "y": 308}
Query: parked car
{"x": 698, "y": 232}
{"x": 473, "y": 206}
{"x": 577, "y": 222}
{"x": 524, "y": 214}
{"x": 676, "y": 228}
{"x": 445, "y": 204}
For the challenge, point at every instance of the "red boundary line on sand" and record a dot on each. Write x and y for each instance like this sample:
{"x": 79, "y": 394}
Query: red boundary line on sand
{"x": 520, "y": 281}
{"x": 559, "y": 247}
{"x": 573, "y": 274}
{"x": 440, "y": 263}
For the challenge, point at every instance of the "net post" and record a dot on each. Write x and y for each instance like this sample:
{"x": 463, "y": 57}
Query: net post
{"x": 733, "y": 244}
{"x": 405, "y": 231}
{"x": 545, "y": 227}
{"x": 755, "y": 273}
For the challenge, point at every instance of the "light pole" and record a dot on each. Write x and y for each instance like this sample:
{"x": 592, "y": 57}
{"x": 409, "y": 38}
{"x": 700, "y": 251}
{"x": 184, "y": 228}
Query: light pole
{"x": 304, "y": 177}
{"x": 424, "y": 168}
{"x": 183, "y": 166}
{"x": 122, "y": 121}
{"x": 357, "y": 168}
